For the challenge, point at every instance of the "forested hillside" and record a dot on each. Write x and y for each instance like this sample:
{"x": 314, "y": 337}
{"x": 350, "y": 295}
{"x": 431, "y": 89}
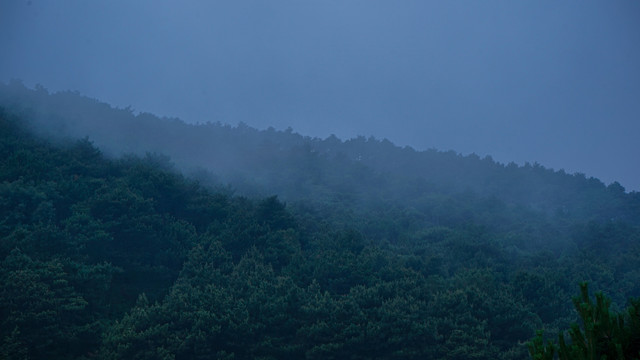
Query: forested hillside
{"x": 378, "y": 252}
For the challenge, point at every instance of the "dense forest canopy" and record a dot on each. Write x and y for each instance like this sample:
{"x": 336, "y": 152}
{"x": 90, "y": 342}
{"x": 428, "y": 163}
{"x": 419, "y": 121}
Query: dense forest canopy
{"x": 211, "y": 241}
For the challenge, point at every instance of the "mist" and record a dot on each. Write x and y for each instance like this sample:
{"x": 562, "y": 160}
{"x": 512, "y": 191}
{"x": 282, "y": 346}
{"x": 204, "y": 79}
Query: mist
{"x": 556, "y": 84}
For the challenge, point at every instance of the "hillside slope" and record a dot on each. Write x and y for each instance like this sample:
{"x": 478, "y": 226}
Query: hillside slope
{"x": 373, "y": 256}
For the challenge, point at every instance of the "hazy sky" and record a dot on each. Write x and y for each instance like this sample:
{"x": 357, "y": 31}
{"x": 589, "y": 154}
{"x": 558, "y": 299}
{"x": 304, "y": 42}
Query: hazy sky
{"x": 557, "y": 82}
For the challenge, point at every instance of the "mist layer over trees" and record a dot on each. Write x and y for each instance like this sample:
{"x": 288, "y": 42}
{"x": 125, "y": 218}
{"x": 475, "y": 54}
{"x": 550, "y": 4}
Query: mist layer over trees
{"x": 293, "y": 166}
{"x": 212, "y": 241}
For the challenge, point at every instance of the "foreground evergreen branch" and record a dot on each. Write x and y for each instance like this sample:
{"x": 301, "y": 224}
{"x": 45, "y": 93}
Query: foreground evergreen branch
{"x": 602, "y": 334}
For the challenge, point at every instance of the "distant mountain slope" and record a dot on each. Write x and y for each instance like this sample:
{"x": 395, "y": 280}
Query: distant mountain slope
{"x": 297, "y": 167}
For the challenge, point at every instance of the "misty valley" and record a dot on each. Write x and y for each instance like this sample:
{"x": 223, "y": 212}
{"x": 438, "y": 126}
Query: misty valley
{"x": 131, "y": 236}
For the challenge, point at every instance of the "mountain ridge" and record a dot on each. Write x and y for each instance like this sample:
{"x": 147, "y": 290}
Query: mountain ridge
{"x": 258, "y": 158}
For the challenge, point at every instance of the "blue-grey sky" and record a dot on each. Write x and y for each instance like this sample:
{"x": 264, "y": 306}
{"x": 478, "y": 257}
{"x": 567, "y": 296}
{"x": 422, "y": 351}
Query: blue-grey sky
{"x": 554, "y": 82}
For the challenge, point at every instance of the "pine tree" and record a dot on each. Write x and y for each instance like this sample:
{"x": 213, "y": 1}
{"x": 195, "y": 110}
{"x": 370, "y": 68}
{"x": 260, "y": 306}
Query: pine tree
{"x": 602, "y": 334}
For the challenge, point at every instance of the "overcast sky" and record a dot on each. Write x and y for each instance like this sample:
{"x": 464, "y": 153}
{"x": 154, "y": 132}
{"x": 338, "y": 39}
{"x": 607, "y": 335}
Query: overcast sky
{"x": 554, "y": 82}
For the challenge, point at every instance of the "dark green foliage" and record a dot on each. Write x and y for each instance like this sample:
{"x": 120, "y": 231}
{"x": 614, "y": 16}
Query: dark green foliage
{"x": 41, "y": 309}
{"x": 539, "y": 350}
